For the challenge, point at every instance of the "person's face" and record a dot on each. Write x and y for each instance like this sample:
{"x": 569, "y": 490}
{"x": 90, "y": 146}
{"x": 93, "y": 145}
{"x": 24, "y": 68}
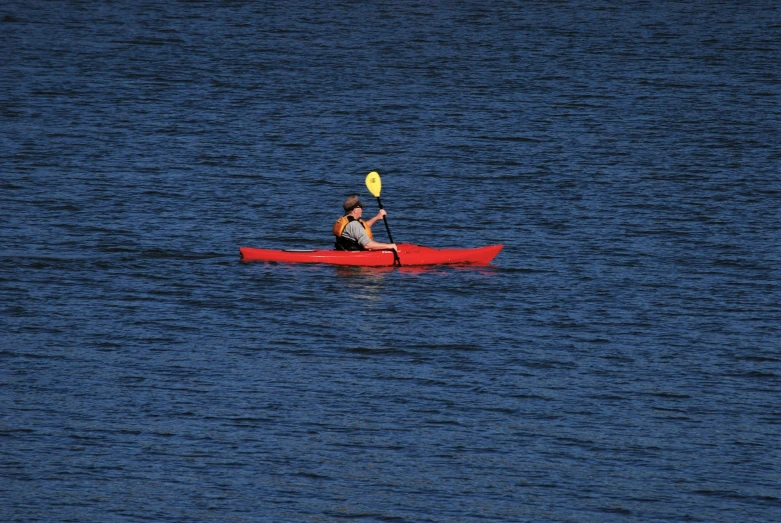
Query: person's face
{"x": 358, "y": 211}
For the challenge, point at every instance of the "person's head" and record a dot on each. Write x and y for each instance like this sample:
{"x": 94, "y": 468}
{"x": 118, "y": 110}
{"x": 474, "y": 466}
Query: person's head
{"x": 353, "y": 206}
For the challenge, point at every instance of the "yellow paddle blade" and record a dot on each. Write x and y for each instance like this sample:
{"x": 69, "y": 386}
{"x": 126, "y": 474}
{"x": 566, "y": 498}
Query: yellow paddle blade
{"x": 374, "y": 183}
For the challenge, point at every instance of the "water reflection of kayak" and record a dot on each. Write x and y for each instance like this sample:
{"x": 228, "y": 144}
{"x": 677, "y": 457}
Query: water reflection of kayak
{"x": 408, "y": 255}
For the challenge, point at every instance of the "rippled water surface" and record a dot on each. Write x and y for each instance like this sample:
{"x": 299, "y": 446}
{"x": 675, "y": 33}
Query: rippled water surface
{"x": 619, "y": 361}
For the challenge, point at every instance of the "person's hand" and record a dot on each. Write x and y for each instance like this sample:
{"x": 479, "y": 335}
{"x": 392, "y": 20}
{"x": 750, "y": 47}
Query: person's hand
{"x": 381, "y": 214}
{"x": 393, "y": 246}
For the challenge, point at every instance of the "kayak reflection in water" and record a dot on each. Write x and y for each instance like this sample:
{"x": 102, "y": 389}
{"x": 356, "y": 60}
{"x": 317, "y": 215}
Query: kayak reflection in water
{"x": 354, "y": 234}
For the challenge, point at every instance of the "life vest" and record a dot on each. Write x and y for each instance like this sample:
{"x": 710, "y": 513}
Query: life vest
{"x": 346, "y": 244}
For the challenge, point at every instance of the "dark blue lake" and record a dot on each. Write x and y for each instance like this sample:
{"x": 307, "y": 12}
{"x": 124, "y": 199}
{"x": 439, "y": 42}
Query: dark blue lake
{"x": 619, "y": 361}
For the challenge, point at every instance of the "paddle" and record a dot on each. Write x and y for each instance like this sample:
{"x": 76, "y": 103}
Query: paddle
{"x": 374, "y": 184}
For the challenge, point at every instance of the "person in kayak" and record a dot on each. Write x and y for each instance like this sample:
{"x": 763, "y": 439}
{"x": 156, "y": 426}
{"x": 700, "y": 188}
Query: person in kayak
{"x": 354, "y": 234}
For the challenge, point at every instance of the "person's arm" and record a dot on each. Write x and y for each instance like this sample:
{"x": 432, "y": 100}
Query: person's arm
{"x": 377, "y": 246}
{"x": 378, "y": 217}
{"x": 355, "y": 231}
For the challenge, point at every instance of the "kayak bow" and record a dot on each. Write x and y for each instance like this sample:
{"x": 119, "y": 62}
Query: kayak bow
{"x": 408, "y": 254}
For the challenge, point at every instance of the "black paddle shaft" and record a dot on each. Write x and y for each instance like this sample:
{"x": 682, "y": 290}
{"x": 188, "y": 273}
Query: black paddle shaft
{"x": 396, "y": 259}
{"x": 384, "y": 219}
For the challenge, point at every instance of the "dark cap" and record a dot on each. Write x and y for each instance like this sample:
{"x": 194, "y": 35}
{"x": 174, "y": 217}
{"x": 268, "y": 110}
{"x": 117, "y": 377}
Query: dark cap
{"x": 351, "y": 203}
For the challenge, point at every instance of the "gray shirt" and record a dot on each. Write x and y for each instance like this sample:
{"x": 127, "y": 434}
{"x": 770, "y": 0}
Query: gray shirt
{"x": 355, "y": 231}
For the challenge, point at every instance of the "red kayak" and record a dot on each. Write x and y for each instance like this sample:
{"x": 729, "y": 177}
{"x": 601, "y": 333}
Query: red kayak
{"x": 408, "y": 255}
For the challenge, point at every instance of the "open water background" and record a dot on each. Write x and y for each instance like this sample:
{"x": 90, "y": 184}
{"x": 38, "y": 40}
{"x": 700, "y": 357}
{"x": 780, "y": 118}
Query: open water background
{"x": 619, "y": 362}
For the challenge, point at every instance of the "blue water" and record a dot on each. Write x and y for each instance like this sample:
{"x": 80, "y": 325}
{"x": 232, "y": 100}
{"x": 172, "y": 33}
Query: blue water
{"x": 619, "y": 361}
